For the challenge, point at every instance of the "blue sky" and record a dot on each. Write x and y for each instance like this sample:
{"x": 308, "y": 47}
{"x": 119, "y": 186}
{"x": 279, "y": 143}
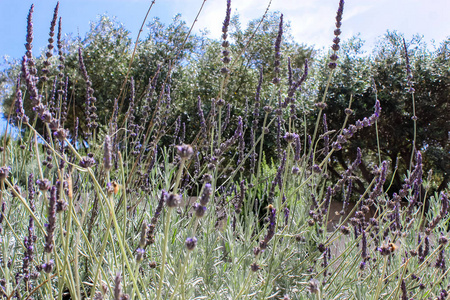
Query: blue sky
{"x": 312, "y": 21}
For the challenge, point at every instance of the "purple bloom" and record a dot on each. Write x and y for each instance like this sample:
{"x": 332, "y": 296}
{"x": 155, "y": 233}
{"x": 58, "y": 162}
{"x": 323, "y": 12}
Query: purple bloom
{"x": 206, "y": 194}
{"x": 191, "y": 242}
{"x": 44, "y": 184}
{"x": 152, "y": 226}
{"x": 225, "y": 44}
{"x": 364, "y": 245}
{"x": 51, "y": 221}
{"x": 337, "y": 32}
{"x": 254, "y": 267}
{"x": 226, "y": 22}
{"x": 409, "y": 75}
{"x": 404, "y": 292}
{"x": 90, "y": 108}
{"x": 19, "y": 104}
{"x": 199, "y": 210}
{"x": 174, "y": 200}
{"x": 140, "y": 254}
{"x": 107, "y": 163}
{"x": 270, "y": 229}
{"x": 117, "y": 288}
{"x": 276, "y": 79}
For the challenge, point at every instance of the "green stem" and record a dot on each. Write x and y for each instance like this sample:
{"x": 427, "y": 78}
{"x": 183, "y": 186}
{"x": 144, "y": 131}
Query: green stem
{"x": 181, "y": 274}
{"x": 164, "y": 252}
{"x": 415, "y": 132}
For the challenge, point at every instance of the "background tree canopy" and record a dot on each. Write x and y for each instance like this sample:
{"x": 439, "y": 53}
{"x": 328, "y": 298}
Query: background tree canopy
{"x": 178, "y": 68}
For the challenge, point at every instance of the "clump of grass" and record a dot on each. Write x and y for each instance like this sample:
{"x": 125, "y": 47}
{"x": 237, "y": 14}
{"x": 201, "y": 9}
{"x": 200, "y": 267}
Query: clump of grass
{"x": 130, "y": 217}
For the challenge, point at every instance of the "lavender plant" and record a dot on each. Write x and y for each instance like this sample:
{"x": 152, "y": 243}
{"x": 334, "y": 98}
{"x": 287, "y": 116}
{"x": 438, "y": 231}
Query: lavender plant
{"x": 174, "y": 211}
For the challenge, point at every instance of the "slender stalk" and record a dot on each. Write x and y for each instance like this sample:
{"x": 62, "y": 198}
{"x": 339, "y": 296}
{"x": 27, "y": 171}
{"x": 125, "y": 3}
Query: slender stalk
{"x": 415, "y": 132}
{"x": 164, "y": 253}
{"x": 166, "y": 231}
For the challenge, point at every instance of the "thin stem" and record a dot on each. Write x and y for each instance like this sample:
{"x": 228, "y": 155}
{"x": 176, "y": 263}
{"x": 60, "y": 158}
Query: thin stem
{"x": 164, "y": 252}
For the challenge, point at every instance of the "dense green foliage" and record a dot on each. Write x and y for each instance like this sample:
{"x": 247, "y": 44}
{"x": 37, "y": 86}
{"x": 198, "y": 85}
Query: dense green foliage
{"x": 194, "y": 68}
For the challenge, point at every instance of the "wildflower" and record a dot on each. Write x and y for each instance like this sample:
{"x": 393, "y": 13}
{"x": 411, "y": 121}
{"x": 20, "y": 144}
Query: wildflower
{"x": 409, "y": 75}
{"x": 44, "y": 184}
{"x": 199, "y": 210}
{"x": 270, "y": 229}
{"x": 254, "y": 267}
{"x": 404, "y": 293}
{"x": 90, "y": 99}
{"x": 4, "y": 172}
{"x": 48, "y": 267}
{"x": 50, "y": 47}
{"x": 225, "y": 44}
{"x": 151, "y": 227}
{"x": 174, "y": 200}
{"x": 276, "y": 70}
{"x": 443, "y": 240}
{"x": 364, "y": 245}
{"x": 337, "y": 33}
{"x": 440, "y": 262}
{"x": 51, "y": 221}
{"x": 61, "y": 134}
{"x": 107, "y": 153}
{"x": 316, "y": 169}
{"x": 118, "y": 295}
{"x": 19, "y": 104}
{"x": 139, "y": 254}
{"x": 443, "y": 295}
{"x": 321, "y": 105}
{"x": 290, "y": 137}
{"x": 29, "y": 45}
{"x": 190, "y": 243}
{"x": 313, "y": 286}
{"x": 345, "y": 230}
{"x": 142, "y": 243}
{"x": 87, "y": 162}
{"x": 385, "y": 250}
{"x": 442, "y": 212}
{"x": 185, "y": 151}
{"x": 2, "y": 215}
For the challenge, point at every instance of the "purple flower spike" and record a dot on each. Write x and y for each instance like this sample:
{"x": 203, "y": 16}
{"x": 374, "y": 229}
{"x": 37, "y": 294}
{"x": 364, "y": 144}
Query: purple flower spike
{"x": 51, "y": 221}
{"x": 206, "y": 194}
{"x": 337, "y": 33}
{"x": 276, "y": 70}
{"x": 191, "y": 242}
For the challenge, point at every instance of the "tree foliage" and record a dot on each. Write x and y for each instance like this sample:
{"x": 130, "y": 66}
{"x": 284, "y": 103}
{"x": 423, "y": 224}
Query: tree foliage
{"x": 180, "y": 69}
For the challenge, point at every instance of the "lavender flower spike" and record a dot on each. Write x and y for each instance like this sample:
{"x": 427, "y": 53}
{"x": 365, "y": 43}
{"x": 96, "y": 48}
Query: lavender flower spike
{"x": 107, "y": 158}
{"x": 51, "y": 221}
{"x": 276, "y": 70}
{"x": 29, "y": 45}
{"x": 206, "y": 194}
{"x": 270, "y": 229}
{"x": 151, "y": 228}
{"x": 337, "y": 32}
{"x": 19, "y": 104}
{"x": 191, "y": 242}
{"x": 225, "y": 44}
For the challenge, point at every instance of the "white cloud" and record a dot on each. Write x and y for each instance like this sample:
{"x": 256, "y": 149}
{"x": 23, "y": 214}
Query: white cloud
{"x": 313, "y": 21}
